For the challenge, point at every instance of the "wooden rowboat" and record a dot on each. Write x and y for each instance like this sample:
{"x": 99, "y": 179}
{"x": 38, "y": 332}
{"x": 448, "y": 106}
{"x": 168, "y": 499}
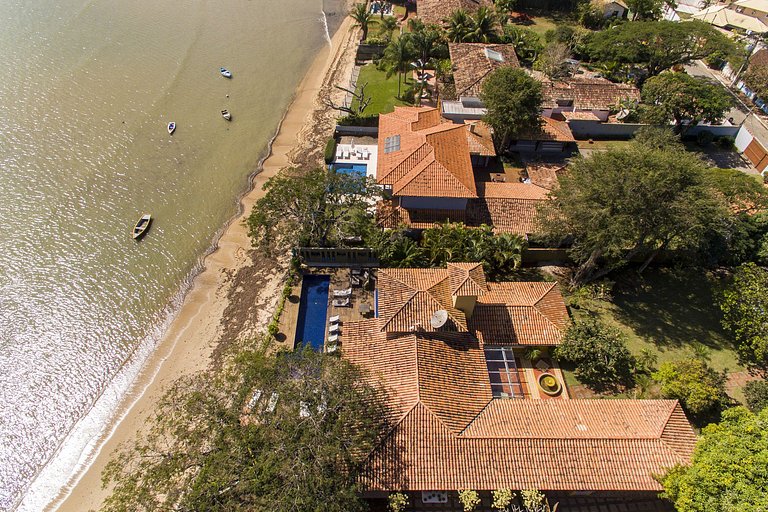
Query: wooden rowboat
{"x": 141, "y": 226}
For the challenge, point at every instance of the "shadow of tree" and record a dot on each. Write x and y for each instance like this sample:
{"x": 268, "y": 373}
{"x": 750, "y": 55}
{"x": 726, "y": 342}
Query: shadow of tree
{"x": 672, "y": 308}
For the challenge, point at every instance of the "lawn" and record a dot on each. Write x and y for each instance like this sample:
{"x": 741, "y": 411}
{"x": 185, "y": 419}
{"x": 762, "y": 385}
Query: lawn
{"x": 543, "y": 21}
{"x": 668, "y": 313}
{"x": 381, "y": 89}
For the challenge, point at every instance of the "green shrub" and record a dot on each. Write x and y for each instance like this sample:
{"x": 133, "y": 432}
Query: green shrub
{"x": 699, "y": 387}
{"x": 330, "y": 150}
{"x": 704, "y": 138}
{"x": 600, "y": 354}
{"x": 756, "y": 393}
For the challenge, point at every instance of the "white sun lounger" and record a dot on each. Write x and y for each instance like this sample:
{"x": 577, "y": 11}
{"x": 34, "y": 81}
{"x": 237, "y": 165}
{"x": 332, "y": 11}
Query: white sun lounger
{"x": 342, "y": 293}
{"x": 335, "y": 319}
{"x": 333, "y": 329}
{"x": 341, "y": 303}
{"x": 333, "y": 339}
{"x": 331, "y": 348}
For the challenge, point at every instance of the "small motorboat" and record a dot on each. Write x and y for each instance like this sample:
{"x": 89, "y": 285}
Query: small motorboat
{"x": 171, "y": 128}
{"x": 141, "y": 226}
{"x": 225, "y": 73}
{"x": 226, "y": 115}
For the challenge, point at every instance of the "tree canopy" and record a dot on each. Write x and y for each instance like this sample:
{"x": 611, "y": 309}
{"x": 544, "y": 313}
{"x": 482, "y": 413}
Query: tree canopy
{"x": 270, "y": 433}
{"x": 645, "y": 9}
{"x": 362, "y": 17}
{"x": 513, "y": 101}
{"x": 729, "y": 471}
{"x": 631, "y": 202}
{"x": 655, "y": 46}
{"x": 684, "y": 99}
{"x": 316, "y": 208}
{"x": 745, "y": 314}
{"x": 600, "y": 354}
{"x": 756, "y": 78}
{"x": 700, "y": 388}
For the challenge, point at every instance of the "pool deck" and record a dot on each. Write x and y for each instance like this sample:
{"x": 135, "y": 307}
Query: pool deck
{"x": 340, "y": 280}
{"x": 350, "y": 151}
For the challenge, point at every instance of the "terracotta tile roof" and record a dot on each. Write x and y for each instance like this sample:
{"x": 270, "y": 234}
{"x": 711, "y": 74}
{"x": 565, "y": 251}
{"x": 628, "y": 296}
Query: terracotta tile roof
{"x": 759, "y": 58}
{"x": 495, "y": 190}
{"x": 467, "y": 279}
{"x": 480, "y": 138}
{"x": 431, "y": 158}
{"x": 580, "y": 116}
{"x": 524, "y": 313}
{"x": 544, "y": 175}
{"x": 422, "y": 454}
{"x": 446, "y": 374}
{"x": 585, "y": 93}
{"x": 550, "y": 130}
{"x": 471, "y": 64}
{"x": 436, "y": 11}
{"x": 409, "y": 297}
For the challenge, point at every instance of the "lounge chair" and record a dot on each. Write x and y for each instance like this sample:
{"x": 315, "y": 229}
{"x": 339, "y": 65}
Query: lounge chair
{"x": 341, "y": 303}
{"x": 335, "y": 319}
{"x": 365, "y": 154}
{"x": 333, "y": 329}
{"x": 346, "y": 155}
{"x": 342, "y": 293}
{"x": 333, "y": 338}
{"x": 330, "y": 349}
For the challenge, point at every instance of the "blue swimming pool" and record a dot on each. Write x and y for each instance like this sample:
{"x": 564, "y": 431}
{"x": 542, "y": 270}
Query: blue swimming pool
{"x": 359, "y": 169}
{"x": 313, "y": 307}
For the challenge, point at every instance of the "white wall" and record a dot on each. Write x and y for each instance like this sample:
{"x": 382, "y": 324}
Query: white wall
{"x": 743, "y": 138}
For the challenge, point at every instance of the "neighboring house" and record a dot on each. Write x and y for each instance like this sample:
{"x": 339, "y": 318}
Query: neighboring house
{"x": 611, "y": 8}
{"x": 754, "y": 8}
{"x": 473, "y": 62}
{"x": 596, "y": 96}
{"x": 727, "y": 18}
{"x": 427, "y": 165}
{"x": 437, "y": 11}
{"x": 552, "y": 136}
{"x": 545, "y": 174}
{"x": 466, "y": 409}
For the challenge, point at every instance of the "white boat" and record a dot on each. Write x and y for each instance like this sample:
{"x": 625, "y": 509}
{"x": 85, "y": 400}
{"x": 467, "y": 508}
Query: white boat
{"x": 225, "y": 73}
{"x": 141, "y": 226}
{"x": 171, "y": 127}
{"x": 226, "y": 115}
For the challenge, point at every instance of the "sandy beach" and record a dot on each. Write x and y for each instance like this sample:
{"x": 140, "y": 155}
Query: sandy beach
{"x": 236, "y": 294}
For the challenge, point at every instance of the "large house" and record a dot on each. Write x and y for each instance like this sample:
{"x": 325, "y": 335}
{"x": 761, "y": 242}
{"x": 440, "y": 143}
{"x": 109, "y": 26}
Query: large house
{"x": 729, "y": 18}
{"x": 437, "y": 11}
{"x": 468, "y": 412}
{"x": 427, "y": 166}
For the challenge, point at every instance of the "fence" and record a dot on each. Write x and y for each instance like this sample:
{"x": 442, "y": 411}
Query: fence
{"x": 594, "y": 130}
{"x": 356, "y": 131}
{"x": 337, "y": 257}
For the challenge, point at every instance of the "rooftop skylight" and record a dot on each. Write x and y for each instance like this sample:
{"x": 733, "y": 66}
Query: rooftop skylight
{"x": 502, "y": 372}
{"x": 392, "y": 144}
{"x": 493, "y": 55}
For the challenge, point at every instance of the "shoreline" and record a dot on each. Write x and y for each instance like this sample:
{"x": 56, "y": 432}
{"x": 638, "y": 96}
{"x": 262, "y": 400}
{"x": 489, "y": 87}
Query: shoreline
{"x": 196, "y": 330}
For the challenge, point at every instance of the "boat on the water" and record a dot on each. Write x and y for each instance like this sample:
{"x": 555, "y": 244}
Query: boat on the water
{"x": 141, "y": 226}
{"x": 226, "y": 115}
{"x": 171, "y": 128}
{"x": 225, "y": 73}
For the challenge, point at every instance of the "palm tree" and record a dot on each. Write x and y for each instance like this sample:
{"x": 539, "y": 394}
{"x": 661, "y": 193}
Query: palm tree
{"x": 362, "y": 16}
{"x": 459, "y": 26}
{"x": 386, "y": 27}
{"x": 483, "y": 26}
{"x": 397, "y": 57}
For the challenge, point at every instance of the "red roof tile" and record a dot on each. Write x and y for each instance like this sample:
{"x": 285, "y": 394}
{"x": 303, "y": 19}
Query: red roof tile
{"x": 585, "y": 93}
{"x": 437, "y": 11}
{"x": 471, "y": 64}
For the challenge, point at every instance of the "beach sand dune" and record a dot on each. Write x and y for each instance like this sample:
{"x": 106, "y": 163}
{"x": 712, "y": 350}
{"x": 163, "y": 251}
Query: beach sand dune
{"x": 236, "y": 294}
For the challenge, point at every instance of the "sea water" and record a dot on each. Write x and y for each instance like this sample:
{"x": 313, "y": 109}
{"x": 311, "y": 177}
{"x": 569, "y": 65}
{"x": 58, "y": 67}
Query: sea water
{"x": 87, "y": 88}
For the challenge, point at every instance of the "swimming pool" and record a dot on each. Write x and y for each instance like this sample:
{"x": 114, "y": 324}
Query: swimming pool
{"x": 313, "y": 308}
{"x": 349, "y": 168}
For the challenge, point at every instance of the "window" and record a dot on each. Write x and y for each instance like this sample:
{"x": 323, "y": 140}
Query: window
{"x": 392, "y": 144}
{"x": 493, "y": 55}
{"x": 502, "y": 372}
{"x": 564, "y": 103}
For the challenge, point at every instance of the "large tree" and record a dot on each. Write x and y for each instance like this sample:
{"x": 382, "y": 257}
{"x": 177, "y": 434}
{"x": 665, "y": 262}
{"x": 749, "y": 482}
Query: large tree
{"x": 285, "y": 432}
{"x": 655, "y": 46}
{"x": 513, "y": 101}
{"x": 397, "y": 58}
{"x": 729, "y": 471}
{"x": 459, "y": 26}
{"x": 684, "y": 99}
{"x": 698, "y": 386}
{"x": 745, "y": 314}
{"x": 629, "y": 203}
{"x": 316, "y": 208}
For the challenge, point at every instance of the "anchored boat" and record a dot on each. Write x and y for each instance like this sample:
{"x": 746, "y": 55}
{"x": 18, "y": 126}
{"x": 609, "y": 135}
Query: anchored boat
{"x": 171, "y": 128}
{"x": 225, "y": 73}
{"x": 226, "y": 115}
{"x": 141, "y": 226}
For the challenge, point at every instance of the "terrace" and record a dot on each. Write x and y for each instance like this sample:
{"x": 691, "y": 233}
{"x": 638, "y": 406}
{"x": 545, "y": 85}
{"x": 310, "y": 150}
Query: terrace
{"x": 357, "y": 154}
